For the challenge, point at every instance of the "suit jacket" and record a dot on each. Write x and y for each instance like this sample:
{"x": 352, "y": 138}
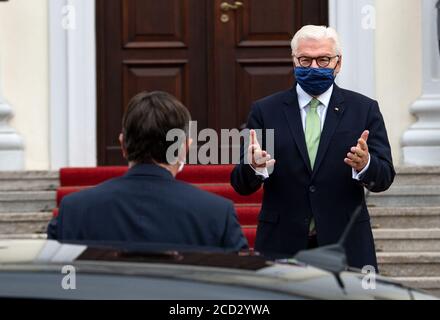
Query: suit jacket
{"x": 148, "y": 205}
{"x": 294, "y": 193}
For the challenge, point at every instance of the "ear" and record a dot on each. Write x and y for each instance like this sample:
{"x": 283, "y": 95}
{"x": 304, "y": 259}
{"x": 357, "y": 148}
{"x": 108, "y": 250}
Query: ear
{"x": 185, "y": 148}
{"x": 294, "y": 61}
{"x": 188, "y": 143}
{"x": 122, "y": 143}
{"x": 339, "y": 65}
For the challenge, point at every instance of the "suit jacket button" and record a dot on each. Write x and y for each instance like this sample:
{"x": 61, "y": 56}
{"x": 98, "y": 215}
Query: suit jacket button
{"x": 312, "y": 189}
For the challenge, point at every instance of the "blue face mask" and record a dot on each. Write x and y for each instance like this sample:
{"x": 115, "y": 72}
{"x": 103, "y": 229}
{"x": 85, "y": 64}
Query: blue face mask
{"x": 315, "y": 81}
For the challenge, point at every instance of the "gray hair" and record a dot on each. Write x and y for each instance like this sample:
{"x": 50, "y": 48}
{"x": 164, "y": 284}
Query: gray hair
{"x": 316, "y": 33}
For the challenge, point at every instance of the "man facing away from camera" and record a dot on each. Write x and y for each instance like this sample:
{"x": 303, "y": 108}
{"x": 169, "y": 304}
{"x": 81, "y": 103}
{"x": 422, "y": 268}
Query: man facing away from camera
{"x": 147, "y": 204}
{"x": 329, "y": 144}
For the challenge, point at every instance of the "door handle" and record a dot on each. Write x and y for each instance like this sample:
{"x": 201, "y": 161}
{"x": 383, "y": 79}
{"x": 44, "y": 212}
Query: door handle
{"x": 225, "y": 7}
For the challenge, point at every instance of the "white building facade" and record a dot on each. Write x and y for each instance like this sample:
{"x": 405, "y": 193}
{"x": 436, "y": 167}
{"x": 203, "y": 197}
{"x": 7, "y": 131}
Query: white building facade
{"x": 48, "y": 77}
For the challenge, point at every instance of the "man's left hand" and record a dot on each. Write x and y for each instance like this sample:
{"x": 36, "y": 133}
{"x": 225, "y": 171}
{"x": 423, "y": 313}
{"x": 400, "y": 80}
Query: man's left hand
{"x": 358, "y": 156}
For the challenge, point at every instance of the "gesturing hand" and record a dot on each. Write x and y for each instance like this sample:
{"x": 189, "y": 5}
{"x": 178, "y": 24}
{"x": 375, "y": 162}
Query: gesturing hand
{"x": 258, "y": 158}
{"x": 358, "y": 156}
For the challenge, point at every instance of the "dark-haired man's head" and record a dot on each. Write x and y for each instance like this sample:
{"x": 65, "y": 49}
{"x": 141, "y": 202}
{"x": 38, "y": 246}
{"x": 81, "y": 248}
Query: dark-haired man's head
{"x": 149, "y": 117}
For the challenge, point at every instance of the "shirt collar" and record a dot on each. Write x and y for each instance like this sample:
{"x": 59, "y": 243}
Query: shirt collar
{"x": 304, "y": 98}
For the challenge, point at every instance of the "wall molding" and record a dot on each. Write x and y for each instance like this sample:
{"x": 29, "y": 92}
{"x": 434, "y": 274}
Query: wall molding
{"x": 421, "y": 142}
{"x": 355, "y": 23}
{"x": 72, "y": 49}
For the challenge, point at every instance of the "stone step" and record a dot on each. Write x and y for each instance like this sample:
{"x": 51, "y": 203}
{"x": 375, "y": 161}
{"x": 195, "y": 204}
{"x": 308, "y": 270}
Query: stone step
{"x": 29, "y": 180}
{"x": 409, "y": 264}
{"x": 387, "y": 240}
{"x": 429, "y": 284}
{"x": 24, "y": 236}
{"x": 30, "y": 201}
{"x": 407, "y": 240}
{"x": 48, "y": 180}
{"x": 24, "y": 223}
{"x": 405, "y": 217}
{"x": 417, "y": 176}
{"x": 406, "y": 196}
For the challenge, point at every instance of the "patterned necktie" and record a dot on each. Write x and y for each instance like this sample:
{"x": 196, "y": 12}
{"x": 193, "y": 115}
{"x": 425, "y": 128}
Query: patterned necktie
{"x": 313, "y": 130}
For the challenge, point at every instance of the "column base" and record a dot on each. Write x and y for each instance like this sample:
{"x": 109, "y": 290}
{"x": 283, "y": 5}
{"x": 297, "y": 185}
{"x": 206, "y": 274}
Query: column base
{"x": 11, "y": 152}
{"x": 421, "y": 142}
{"x": 421, "y": 156}
{"x": 11, "y": 160}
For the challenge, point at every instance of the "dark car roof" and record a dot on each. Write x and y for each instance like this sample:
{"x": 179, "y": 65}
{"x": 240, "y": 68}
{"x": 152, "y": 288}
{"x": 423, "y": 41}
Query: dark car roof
{"x": 208, "y": 266}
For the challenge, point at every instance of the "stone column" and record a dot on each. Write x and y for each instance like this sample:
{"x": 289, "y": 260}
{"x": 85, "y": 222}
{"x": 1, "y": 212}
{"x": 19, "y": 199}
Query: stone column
{"x": 11, "y": 144}
{"x": 421, "y": 142}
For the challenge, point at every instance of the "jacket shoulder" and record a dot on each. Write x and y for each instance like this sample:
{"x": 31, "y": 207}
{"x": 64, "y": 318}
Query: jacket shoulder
{"x": 105, "y": 193}
{"x": 356, "y": 96}
{"x": 95, "y": 194}
{"x": 202, "y": 197}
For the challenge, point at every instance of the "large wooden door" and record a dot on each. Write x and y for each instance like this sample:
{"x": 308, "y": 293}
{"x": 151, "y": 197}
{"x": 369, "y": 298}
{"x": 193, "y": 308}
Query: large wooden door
{"x": 216, "y": 61}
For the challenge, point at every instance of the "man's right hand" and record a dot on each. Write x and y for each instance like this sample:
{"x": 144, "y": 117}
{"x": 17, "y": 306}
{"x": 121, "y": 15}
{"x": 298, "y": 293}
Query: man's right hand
{"x": 257, "y": 157}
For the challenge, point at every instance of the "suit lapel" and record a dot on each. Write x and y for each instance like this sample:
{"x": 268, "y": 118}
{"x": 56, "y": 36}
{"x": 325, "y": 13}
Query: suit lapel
{"x": 293, "y": 116}
{"x": 334, "y": 114}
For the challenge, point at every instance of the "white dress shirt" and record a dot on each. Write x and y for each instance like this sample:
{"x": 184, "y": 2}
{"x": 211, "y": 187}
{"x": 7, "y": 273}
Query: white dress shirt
{"x": 304, "y": 100}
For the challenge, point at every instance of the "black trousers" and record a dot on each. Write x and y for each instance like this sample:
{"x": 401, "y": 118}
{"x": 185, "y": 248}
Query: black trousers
{"x": 313, "y": 242}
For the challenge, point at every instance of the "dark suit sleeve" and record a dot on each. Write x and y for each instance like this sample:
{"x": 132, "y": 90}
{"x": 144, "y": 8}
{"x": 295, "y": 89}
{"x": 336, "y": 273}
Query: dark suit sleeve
{"x": 380, "y": 174}
{"x": 54, "y": 229}
{"x": 243, "y": 178}
{"x": 233, "y": 238}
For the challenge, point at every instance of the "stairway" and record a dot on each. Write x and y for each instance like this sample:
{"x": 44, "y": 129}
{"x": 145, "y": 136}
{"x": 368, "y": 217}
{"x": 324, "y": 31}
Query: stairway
{"x": 26, "y": 202}
{"x": 406, "y": 228}
{"x": 405, "y": 219}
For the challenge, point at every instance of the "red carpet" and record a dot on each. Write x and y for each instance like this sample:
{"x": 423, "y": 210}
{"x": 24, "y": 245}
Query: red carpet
{"x": 88, "y": 176}
{"x": 213, "y": 178}
{"x": 192, "y": 174}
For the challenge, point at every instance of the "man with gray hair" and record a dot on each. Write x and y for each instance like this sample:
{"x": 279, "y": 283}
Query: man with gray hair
{"x": 330, "y": 143}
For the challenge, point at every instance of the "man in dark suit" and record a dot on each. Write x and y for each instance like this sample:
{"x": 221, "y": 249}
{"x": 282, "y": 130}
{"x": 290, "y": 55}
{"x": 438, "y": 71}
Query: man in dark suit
{"x": 329, "y": 144}
{"x": 148, "y": 204}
